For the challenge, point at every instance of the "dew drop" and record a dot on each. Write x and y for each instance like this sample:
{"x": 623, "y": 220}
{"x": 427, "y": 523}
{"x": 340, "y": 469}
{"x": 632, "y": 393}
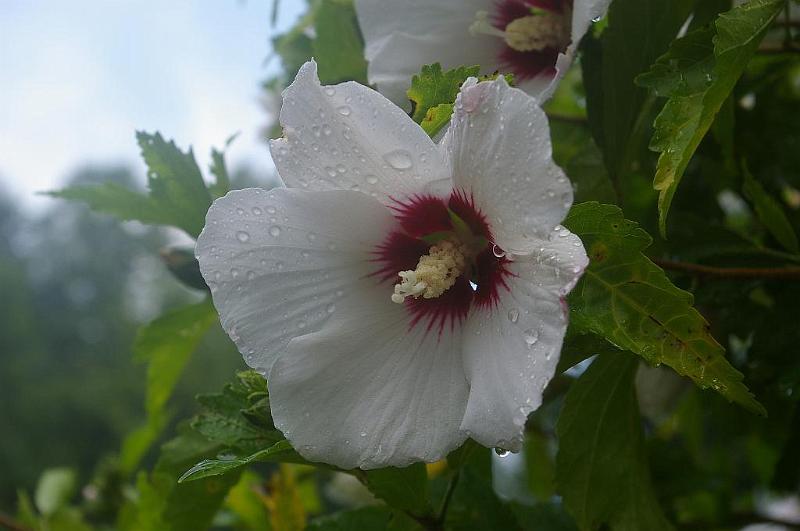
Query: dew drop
{"x": 498, "y": 252}
{"x": 330, "y": 91}
{"x": 326, "y": 130}
{"x": 234, "y": 272}
{"x": 271, "y": 210}
{"x": 363, "y": 434}
{"x": 344, "y": 110}
{"x": 251, "y": 275}
{"x": 513, "y": 315}
{"x": 371, "y": 179}
{"x": 399, "y": 159}
{"x": 340, "y": 168}
{"x": 331, "y": 171}
{"x": 501, "y": 452}
{"x": 257, "y": 211}
{"x": 531, "y": 337}
{"x": 312, "y": 236}
{"x": 274, "y": 231}
{"x": 330, "y": 308}
{"x": 243, "y": 236}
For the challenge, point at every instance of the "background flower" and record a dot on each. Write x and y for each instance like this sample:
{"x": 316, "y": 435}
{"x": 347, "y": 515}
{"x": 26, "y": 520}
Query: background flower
{"x": 402, "y": 35}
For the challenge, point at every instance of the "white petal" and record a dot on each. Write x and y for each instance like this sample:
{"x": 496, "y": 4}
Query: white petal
{"x": 498, "y": 145}
{"x": 279, "y": 261}
{"x": 349, "y": 137}
{"x": 403, "y": 35}
{"x": 366, "y": 391}
{"x": 583, "y": 13}
{"x": 511, "y": 354}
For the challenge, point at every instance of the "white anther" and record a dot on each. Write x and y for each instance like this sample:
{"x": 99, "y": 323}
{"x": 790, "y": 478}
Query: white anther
{"x": 436, "y": 272}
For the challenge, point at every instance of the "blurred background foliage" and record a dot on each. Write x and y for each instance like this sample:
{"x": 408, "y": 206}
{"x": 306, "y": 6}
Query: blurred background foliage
{"x": 94, "y": 440}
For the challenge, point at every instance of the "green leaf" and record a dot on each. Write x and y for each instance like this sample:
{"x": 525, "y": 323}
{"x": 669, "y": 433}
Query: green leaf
{"x": 363, "y": 519}
{"x": 539, "y": 466}
{"x": 166, "y": 504}
{"x": 770, "y": 213}
{"x": 338, "y": 46}
{"x": 698, "y": 86}
{"x": 55, "y": 488}
{"x": 638, "y": 32}
{"x": 239, "y": 417}
{"x": 183, "y": 265}
{"x": 405, "y": 489}
{"x": 177, "y": 193}
{"x": 474, "y": 505}
{"x": 166, "y": 344}
{"x": 601, "y": 464}
{"x": 281, "y": 451}
{"x": 432, "y": 88}
{"x": 222, "y": 185}
{"x": 627, "y": 299}
{"x": 575, "y": 151}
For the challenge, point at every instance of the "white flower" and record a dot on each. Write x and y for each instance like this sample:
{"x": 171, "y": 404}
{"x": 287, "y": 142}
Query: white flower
{"x": 533, "y": 39}
{"x": 367, "y": 368}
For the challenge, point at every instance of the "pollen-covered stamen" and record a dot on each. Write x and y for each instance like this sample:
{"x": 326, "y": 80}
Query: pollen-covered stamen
{"x": 436, "y": 272}
{"x": 540, "y": 30}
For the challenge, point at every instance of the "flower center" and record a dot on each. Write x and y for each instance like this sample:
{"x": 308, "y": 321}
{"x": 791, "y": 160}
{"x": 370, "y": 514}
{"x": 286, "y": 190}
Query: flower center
{"x": 439, "y": 260}
{"x": 436, "y": 272}
{"x": 540, "y": 30}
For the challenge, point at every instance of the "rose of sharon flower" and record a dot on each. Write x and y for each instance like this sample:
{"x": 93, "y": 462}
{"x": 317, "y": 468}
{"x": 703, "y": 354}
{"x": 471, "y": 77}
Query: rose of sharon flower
{"x": 533, "y": 39}
{"x": 378, "y": 291}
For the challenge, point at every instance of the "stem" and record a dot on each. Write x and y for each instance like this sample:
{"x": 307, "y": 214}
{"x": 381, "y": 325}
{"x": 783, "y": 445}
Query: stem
{"x": 567, "y": 118}
{"x": 785, "y": 273}
{"x": 6, "y": 522}
{"x": 451, "y": 487}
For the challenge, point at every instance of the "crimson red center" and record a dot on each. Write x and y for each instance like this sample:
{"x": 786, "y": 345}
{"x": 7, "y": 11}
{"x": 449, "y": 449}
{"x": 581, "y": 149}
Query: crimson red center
{"x": 527, "y": 65}
{"x": 423, "y": 215}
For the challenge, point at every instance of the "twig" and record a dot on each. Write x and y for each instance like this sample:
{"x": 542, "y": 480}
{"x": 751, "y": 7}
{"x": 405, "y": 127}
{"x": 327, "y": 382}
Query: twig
{"x": 6, "y": 522}
{"x": 786, "y": 273}
{"x": 451, "y": 487}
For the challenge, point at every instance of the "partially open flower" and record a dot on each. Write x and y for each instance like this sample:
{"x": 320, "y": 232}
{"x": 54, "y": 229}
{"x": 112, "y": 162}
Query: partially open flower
{"x": 400, "y": 295}
{"x": 533, "y": 39}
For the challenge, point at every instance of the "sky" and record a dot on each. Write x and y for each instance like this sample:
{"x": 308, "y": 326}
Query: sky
{"x": 79, "y": 77}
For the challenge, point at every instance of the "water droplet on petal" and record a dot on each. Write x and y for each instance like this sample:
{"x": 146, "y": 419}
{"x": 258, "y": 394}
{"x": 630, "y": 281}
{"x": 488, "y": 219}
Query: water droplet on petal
{"x": 330, "y": 91}
{"x": 344, "y": 110}
{"x": 399, "y": 159}
{"x": 257, "y": 211}
{"x": 513, "y": 315}
{"x": 312, "y": 236}
{"x": 501, "y": 452}
{"x": 243, "y": 236}
{"x": 531, "y": 337}
{"x": 371, "y": 179}
{"x": 274, "y": 231}
{"x": 498, "y": 252}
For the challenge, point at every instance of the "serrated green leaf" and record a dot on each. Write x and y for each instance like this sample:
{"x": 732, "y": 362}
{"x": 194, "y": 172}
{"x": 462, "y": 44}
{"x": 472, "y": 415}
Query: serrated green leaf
{"x": 166, "y": 345}
{"x": 698, "y": 87}
{"x": 770, "y": 213}
{"x": 433, "y": 87}
{"x": 281, "y": 451}
{"x": 601, "y": 464}
{"x": 627, "y": 299}
{"x": 338, "y": 46}
{"x": 405, "y": 489}
{"x": 436, "y": 118}
{"x": 239, "y": 417}
{"x": 177, "y": 193}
